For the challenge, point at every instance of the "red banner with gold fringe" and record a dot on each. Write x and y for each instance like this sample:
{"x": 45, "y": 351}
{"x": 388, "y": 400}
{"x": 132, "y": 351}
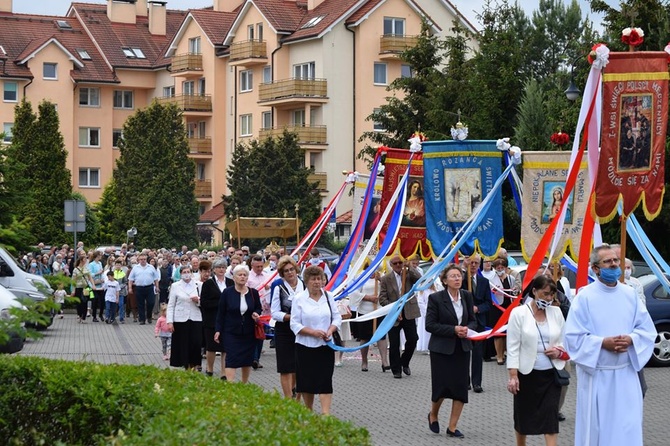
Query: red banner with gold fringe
{"x": 634, "y": 121}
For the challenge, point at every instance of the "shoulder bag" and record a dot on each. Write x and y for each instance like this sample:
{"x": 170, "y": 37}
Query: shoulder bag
{"x": 562, "y": 376}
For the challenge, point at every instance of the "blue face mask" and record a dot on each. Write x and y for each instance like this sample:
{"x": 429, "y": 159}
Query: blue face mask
{"x": 610, "y": 275}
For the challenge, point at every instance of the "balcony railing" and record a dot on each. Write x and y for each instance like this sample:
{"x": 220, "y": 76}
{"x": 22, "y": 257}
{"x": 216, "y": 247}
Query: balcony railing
{"x": 393, "y": 43}
{"x": 203, "y": 188}
{"x": 200, "y": 146}
{"x": 293, "y": 88}
{"x": 189, "y": 102}
{"x": 186, "y": 62}
{"x": 321, "y": 178}
{"x": 248, "y": 49}
{"x": 313, "y": 134}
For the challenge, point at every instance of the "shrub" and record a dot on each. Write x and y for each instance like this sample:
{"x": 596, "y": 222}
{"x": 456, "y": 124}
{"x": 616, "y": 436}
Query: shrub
{"x": 79, "y": 403}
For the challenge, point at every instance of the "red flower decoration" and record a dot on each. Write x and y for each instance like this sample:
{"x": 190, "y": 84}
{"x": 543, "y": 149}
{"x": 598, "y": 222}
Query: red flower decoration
{"x": 592, "y": 55}
{"x": 632, "y": 36}
{"x": 419, "y": 135}
{"x": 560, "y": 138}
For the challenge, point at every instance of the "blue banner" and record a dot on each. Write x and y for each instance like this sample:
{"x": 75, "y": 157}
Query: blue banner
{"x": 458, "y": 176}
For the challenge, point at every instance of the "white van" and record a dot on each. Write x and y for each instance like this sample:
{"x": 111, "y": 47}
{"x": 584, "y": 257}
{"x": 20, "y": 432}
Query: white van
{"x": 16, "y": 339}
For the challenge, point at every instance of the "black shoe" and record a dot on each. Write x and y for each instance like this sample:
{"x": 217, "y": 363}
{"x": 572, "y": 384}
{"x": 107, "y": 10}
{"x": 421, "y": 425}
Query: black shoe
{"x": 478, "y": 389}
{"x": 385, "y": 368}
{"x": 469, "y": 387}
{"x": 397, "y": 375}
{"x": 150, "y": 320}
{"x": 455, "y": 434}
{"x": 254, "y": 365}
{"x": 143, "y": 323}
{"x": 223, "y": 378}
{"x": 272, "y": 343}
{"x": 95, "y": 319}
{"x": 561, "y": 417}
{"x": 108, "y": 321}
{"x": 406, "y": 371}
{"x": 209, "y": 373}
{"x": 434, "y": 426}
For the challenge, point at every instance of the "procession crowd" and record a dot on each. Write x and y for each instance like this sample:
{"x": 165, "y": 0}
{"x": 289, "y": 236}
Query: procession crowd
{"x": 221, "y": 303}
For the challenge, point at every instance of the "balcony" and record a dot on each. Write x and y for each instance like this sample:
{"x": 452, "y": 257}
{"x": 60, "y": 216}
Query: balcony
{"x": 312, "y": 134}
{"x": 189, "y": 102}
{"x": 391, "y": 45}
{"x": 200, "y": 146}
{"x": 288, "y": 92}
{"x": 321, "y": 178}
{"x": 248, "y": 53}
{"x": 203, "y": 188}
{"x": 183, "y": 64}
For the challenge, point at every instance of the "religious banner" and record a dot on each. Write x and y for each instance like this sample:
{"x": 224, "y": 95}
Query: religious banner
{"x": 372, "y": 221}
{"x": 458, "y": 175}
{"x": 634, "y": 121}
{"x": 544, "y": 176}
{"x": 412, "y": 234}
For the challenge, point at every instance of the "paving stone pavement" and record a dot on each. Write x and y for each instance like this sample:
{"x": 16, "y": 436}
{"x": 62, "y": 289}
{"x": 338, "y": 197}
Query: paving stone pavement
{"x": 393, "y": 410}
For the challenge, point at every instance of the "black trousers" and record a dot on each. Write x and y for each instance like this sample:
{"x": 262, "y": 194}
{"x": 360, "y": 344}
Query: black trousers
{"x": 82, "y": 306}
{"x": 98, "y": 304}
{"x": 411, "y": 338}
{"x": 477, "y": 361}
{"x": 145, "y": 297}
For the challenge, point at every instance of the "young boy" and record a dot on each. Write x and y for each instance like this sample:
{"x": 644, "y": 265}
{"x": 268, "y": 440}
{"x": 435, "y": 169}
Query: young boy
{"x": 111, "y": 287}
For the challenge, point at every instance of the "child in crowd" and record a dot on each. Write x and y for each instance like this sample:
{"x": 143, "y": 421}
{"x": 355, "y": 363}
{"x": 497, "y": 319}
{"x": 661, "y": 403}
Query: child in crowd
{"x": 59, "y": 296}
{"x": 111, "y": 287}
{"x": 162, "y": 331}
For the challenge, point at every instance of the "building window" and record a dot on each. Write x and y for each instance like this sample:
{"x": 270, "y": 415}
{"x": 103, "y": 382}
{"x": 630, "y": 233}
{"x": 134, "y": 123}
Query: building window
{"x": 11, "y": 92}
{"x": 378, "y": 126}
{"x": 133, "y": 53}
{"x": 266, "y": 117}
{"x": 201, "y": 86}
{"x": 246, "y": 80}
{"x": 394, "y": 26}
{"x": 245, "y": 125}
{"x": 200, "y": 171}
{"x": 267, "y": 74}
{"x": 89, "y": 137}
{"x": 89, "y": 97}
{"x": 380, "y": 73}
{"x": 202, "y": 129}
{"x": 89, "y": 177}
{"x": 406, "y": 71}
{"x": 83, "y": 54}
{"x": 194, "y": 45}
{"x": 188, "y": 88}
{"x": 304, "y": 71}
{"x": 50, "y": 70}
{"x": 298, "y": 118}
{"x": 7, "y": 130}
{"x": 117, "y": 134}
{"x": 250, "y": 32}
{"x": 168, "y": 92}
{"x": 259, "y": 32}
{"x": 123, "y": 99}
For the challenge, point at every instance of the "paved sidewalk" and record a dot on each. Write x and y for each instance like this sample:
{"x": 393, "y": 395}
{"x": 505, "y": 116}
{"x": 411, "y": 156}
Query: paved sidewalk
{"x": 393, "y": 410}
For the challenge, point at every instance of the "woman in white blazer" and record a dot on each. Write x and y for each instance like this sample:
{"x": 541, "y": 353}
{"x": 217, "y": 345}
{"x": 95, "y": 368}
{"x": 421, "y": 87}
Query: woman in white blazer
{"x": 534, "y": 348}
{"x": 184, "y": 320}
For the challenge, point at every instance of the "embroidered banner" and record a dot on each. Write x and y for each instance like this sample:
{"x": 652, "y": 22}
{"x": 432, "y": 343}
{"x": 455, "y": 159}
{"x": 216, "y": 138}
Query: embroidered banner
{"x": 635, "y": 116}
{"x": 375, "y": 207}
{"x": 458, "y": 176}
{"x": 544, "y": 176}
{"x": 412, "y": 234}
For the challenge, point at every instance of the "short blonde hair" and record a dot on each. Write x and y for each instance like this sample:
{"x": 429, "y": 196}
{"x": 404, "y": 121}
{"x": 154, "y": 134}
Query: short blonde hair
{"x": 283, "y": 261}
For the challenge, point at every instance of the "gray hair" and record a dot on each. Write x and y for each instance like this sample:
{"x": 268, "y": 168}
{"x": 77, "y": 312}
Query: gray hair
{"x": 595, "y": 254}
{"x": 241, "y": 267}
{"x": 219, "y": 262}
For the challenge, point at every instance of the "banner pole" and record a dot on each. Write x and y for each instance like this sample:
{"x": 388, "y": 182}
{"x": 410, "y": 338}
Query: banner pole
{"x": 374, "y": 321}
{"x": 622, "y": 279}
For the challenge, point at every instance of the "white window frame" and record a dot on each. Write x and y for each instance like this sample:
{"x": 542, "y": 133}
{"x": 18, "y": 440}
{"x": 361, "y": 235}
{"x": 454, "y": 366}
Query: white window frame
{"x": 123, "y": 96}
{"x": 5, "y": 91}
{"x": 188, "y": 88}
{"x": 194, "y": 45}
{"x": 246, "y": 125}
{"x": 7, "y": 130}
{"x": 250, "y": 32}
{"x": 376, "y": 126}
{"x": 88, "y": 92}
{"x": 298, "y": 117}
{"x": 259, "y": 32}
{"x": 375, "y": 79}
{"x": 393, "y": 23}
{"x": 202, "y": 129}
{"x": 88, "y": 132}
{"x": 55, "y": 71}
{"x": 88, "y": 171}
{"x": 246, "y": 81}
{"x": 115, "y": 139}
{"x": 168, "y": 92}
{"x": 305, "y": 71}
{"x": 266, "y": 119}
{"x": 267, "y": 74}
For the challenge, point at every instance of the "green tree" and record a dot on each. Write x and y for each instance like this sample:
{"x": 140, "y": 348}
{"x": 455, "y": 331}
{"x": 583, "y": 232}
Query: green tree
{"x": 110, "y": 229}
{"x": 38, "y": 161}
{"x": 155, "y": 179}
{"x": 267, "y": 178}
{"x": 533, "y": 131}
{"x": 653, "y": 16}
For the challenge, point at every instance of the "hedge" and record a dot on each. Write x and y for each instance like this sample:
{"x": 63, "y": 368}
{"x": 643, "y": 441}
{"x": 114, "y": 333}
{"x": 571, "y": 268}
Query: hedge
{"x": 46, "y": 401}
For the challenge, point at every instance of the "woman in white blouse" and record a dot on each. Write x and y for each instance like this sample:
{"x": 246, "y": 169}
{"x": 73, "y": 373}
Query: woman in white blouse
{"x": 314, "y": 319}
{"x": 184, "y": 320}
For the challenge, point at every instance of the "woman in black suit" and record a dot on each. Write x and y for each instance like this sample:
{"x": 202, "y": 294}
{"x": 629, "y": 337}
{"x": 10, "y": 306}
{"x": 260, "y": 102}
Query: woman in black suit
{"x": 210, "y": 296}
{"x": 448, "y": 316}
{"x": 239, "y": 309}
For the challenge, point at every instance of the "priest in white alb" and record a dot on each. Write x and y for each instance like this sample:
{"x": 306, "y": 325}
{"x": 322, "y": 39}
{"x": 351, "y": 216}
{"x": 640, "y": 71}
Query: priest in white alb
{"x": 610, "y": 336}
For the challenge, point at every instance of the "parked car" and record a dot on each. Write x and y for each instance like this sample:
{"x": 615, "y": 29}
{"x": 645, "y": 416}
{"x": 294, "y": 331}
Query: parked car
{"x": 16, "y": 338}
{"x": 326, "y": 254}
{"x": 658, "y": 305}
{"x": 116, "y": 249}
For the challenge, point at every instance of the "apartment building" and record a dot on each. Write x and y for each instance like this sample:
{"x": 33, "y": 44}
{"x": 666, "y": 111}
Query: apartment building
{"x": 239, "y": 70}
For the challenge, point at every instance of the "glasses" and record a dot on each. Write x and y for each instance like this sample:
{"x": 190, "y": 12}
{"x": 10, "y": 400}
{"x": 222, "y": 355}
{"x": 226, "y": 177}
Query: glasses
{"x": 613, "y": 261}
{"x": 289, "y": 270}
{"x": 454, "y": 276}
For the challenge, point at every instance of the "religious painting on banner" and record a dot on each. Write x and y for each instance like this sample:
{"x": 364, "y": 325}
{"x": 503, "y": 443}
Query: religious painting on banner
{"x": 412, "y": 234}
{"x": 635, "y": 117}
{"x": 372, "y": 221}
{"x": 544, "y": 176}
{"x": 459, "y": 175}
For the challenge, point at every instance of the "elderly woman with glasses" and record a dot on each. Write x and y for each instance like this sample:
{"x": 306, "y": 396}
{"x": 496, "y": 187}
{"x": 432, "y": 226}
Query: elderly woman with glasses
{"x": 282, "y": 293}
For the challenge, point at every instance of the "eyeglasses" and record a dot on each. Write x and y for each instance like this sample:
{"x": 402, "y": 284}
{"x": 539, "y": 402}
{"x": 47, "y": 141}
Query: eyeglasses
{"x": 289, "y": 270}
{"x": 613, "y": 261}
{"x": 454, "y": 276}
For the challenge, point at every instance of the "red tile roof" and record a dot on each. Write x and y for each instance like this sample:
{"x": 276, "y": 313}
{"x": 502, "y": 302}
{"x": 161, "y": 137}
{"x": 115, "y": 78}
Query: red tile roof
{"x": 345, "y": 218}
{"x": 360, "y": 13}
{"x": 330, "y": 10}
{"x": 214, "y": 214}
{"x": 215, "y": 24}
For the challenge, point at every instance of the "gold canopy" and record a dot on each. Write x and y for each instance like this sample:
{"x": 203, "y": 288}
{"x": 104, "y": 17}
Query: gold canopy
{"x": 251, "y": 227}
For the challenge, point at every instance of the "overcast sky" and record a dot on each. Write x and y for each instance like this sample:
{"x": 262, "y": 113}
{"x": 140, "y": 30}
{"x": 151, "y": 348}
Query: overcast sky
{"x": 469, "y": 8}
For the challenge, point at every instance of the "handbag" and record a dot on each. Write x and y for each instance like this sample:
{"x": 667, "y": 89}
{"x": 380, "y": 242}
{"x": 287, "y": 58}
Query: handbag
{"x": 259, "y": 331}
{"x": 562, "y": 376}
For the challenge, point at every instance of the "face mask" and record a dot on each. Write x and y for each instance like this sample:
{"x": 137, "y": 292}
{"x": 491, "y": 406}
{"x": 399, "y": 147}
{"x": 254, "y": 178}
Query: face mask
{"x": 542, "y": 304}
{"x": 273, "y": 264}
{"x": 610, "y": 275}
{"x": 314, "y": 261}
{"x": 500, "y": 273}
{"x": 626, "y": 273}
{"x": 186, "y": 276}
{"x": 33, "y": 265}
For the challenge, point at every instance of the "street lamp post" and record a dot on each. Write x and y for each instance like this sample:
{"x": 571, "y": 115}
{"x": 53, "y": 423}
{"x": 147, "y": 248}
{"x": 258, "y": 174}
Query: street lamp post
{"x": 572, "y": 93}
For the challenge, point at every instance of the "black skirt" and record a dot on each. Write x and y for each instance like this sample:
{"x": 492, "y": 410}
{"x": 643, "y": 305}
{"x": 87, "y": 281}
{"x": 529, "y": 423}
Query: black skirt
{"x": 186, "y": 344}
{"x": 450, "y": 374}
{"x": 210, "y": 344}
{"x": 536, "y": 403}
{"x": 314, "y": 369}
{"x": 363, "y": 330}
{"x": 284, "y": 348}
{"x": 239, "y": 350}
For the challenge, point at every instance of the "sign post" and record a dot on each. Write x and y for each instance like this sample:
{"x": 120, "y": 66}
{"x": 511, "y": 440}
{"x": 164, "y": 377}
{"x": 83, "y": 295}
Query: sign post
{"x": 75, "y": 220}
